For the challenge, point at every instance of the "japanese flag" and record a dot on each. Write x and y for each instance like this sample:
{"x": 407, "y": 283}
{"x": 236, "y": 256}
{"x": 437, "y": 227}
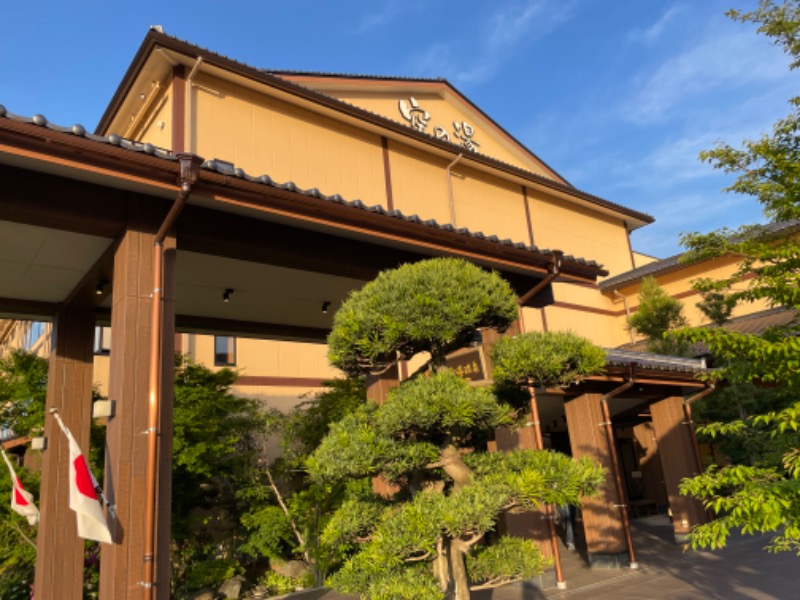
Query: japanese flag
{"x": 83, "y": 499}
{"x": 21, "y": 501}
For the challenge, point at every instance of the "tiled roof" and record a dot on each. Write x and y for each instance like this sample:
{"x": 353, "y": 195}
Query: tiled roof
{"x": 229, "y": 169}
{"x": 752, "y": 324}
{"x": 290, "y": 72}
{"x": 157, "y": 36}
{"x": 673, "y": 262}
{"x": 659, "y": 362}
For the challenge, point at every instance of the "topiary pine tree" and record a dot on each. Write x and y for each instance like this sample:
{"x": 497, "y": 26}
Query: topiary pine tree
{"x": 657, "y": 314}
{"x": 435, "y": 537}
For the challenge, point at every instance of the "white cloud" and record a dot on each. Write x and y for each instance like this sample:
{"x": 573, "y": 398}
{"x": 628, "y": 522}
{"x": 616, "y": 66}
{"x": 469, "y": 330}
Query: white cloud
{"x": 385, "y": 13}
{"x": 509, "y": 26}
{"x": 656, "y": 30}
{"x": 719, "y": 63}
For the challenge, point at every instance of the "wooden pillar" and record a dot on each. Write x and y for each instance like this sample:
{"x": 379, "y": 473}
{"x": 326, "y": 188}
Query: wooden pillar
{"x": 378, "y": 387}
{"x": 122, "y": 565}
{"x": 605, "y": 537}
{"x": 676, "y": 449}
{"x": 59, "y": 552}
{"x": 528, "y": 524}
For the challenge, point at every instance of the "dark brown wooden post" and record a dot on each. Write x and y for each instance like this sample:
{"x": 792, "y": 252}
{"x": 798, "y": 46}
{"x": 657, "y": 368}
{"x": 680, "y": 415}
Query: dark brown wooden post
{"x": 676, "y": 449}
{"x": 121, "y": 567}
{"x": 529, "y": 524}
{"x": 605, "y": 537}
{"x": 59, "y": 553}
{"x": 378, "y": 387}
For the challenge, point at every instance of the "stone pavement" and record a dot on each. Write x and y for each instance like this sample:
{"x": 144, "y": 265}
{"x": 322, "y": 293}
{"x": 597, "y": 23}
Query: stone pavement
{"x": 742, "y": 570}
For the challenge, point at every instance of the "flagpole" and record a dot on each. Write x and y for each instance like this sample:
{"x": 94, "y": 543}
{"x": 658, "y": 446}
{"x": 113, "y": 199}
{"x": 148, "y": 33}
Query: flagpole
{"x": 80, "y": 470}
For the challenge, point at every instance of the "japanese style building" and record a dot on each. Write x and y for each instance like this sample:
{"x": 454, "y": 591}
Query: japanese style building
{"x": 309, "y": 185}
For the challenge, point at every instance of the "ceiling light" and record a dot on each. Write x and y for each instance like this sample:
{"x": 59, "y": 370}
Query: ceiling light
{"x": 325, "y": 306}
{"x": 226, "y": 295}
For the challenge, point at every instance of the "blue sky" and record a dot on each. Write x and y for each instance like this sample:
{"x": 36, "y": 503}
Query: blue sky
{"x": 619, "y": 96}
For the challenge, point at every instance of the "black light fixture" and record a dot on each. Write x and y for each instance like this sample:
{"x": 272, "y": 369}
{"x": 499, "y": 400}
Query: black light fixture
{"x": 325, "y": 306}
{"x": 226, "y": 295}
{"x": 101, "y": 286}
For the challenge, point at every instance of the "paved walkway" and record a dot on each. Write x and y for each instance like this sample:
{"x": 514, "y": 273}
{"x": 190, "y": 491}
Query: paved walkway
{"x": 742, "y": 570}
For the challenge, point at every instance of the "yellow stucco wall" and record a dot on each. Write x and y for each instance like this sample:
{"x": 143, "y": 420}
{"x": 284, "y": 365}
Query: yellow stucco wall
{"x": 443, "y": 112}
{"x": 419, "y": 183}
{"x": 265, "y": 135}
{"x": 256, "y": 357}
{"x": 678, "y": 284}
{"x": 489, "y": 204}
{"x": 579, "y": 231}
{"x": 156, "y": 128}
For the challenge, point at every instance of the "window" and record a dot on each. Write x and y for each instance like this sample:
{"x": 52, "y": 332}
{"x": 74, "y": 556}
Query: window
{"x": 102, "y": 340}
{"x": 34, "y": 332}
{"x": 224, "y": 350}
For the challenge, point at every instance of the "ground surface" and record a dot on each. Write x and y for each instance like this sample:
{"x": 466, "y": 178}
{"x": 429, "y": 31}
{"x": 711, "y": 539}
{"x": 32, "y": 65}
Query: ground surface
{"x": 742, "y": 570}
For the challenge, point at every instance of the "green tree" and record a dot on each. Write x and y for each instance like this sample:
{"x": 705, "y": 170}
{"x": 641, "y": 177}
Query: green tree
{"x": 435, "y": 536}
{"x": 657, "y": 314}
{"x": 762, "y": 495}
{"x": 17, "y": 538}
{"x": 23, "y": 388}
{"x": 216, "y": 475}
{"x": 292, "y": 528}
{"x": 23, "y": 385}
{"x": 442, "y": 305}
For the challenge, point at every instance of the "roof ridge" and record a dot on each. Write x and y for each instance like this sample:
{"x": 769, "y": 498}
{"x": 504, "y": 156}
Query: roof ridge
{"x": 156, "y": 35}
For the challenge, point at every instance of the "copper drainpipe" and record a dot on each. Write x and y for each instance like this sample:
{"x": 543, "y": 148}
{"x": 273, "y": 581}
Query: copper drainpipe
{"x": 612, "y": 448}
{"x": 548, "y": 509}
{"x": 554, "y": 269}
{"x": 450, "y": 188}
{"x": 189, "y": 163}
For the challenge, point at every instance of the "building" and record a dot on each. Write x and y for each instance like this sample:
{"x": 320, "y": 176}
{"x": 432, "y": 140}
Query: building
{"x": 310, "y": 185}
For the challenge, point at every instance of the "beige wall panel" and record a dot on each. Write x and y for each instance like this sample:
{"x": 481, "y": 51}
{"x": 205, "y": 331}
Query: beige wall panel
{"x": 585, "y": 295}
{"x": 580, "y": 232}
{"x": 599, "y": 329}
{"x": 489, "y": 204}
{"x": 419, "y": 183}
{"x": 287, "y": 359}
{"x": 283, "y": 399}
{"x": 492, "y": 141}
{"x": 152, "y": 131}
{"x": 102, "y": 366}
{"x": 269, "y": 358}
{"x": 679, "y": 284}
{"x": 532, "y": 319}
{"x": 264, "y": 135}
{"x": 643, "y": 259}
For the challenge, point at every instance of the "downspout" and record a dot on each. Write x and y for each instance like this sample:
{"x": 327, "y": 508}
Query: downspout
{"x": 612, "y": 449}
{"x": 561, "y": 584}
{"x": 189, "y": 165}
{"x": 190, "y": 105}
{"x": 554, "y": 269}
{"x": 450, "y": 187}
{"x": 627, "y": 312}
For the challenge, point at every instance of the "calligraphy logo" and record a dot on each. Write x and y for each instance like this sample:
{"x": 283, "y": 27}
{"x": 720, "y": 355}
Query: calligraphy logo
{"x": 464, "y": 132}
{"x": 416, "y": 116}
